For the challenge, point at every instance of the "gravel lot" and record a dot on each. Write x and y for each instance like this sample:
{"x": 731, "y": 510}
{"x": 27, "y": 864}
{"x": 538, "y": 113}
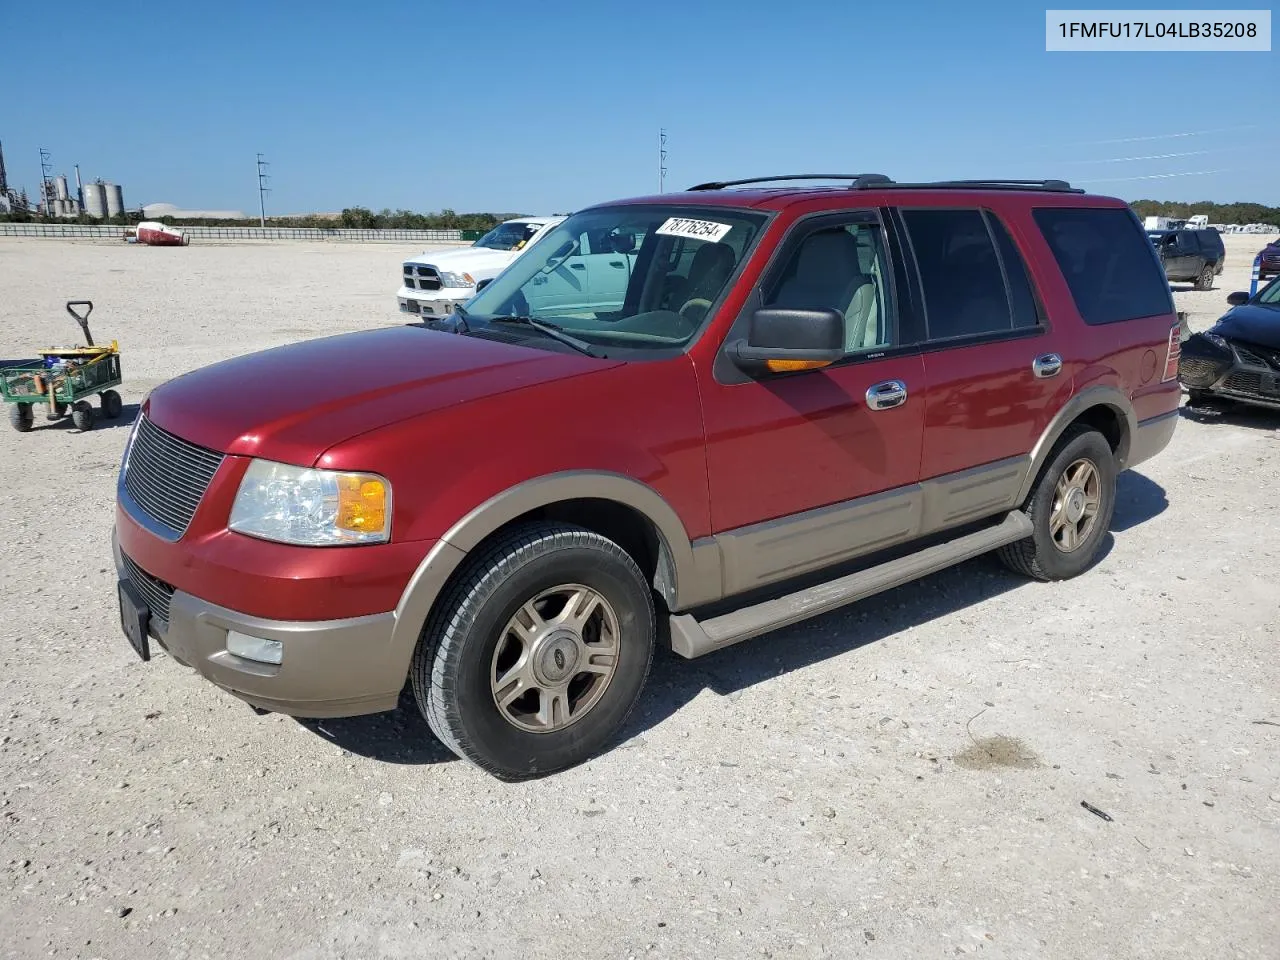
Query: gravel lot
{"x": 902, "y": 778}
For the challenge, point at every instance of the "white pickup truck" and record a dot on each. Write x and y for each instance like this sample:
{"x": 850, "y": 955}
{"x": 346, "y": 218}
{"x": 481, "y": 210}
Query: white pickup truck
{"x": 435, "y": 282}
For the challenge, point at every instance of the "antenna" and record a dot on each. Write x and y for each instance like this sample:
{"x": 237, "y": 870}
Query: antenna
{"x": 662, "y": 159}
{"x": 263, "y": 189}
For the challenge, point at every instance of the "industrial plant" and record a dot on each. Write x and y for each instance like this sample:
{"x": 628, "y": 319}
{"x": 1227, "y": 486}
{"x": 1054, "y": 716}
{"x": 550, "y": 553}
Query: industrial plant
{"x": 100, "y": 199}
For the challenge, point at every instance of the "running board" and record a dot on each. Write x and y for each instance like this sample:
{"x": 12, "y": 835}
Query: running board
{"x": 690, "y": 639}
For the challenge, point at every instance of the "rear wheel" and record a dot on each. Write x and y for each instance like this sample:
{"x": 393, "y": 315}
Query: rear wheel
{"x": 1070, "y": 509}
{"x": 537, "y": 655}
{"x": 20, "y": 417}
{"x": 82, "y": 415}
{"x": 1205, "y": 280}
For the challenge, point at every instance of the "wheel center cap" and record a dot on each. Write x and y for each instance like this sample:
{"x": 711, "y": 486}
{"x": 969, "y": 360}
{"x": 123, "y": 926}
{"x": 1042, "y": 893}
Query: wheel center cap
{"x": 555, "y": 657}
{"x": 1075, "y": 505}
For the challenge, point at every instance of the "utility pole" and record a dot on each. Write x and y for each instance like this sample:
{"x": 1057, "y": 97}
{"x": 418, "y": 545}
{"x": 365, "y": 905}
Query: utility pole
{"x": 662, "y": 160}
{"x": 263, "y": 189}
{"x": 46, "y": 182}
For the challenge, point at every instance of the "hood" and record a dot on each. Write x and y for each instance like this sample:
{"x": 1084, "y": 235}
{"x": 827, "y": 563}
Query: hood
{"x": 465, "y": 259}
{"x": 1252, "y": 324}
{"x": 294, "y": 402}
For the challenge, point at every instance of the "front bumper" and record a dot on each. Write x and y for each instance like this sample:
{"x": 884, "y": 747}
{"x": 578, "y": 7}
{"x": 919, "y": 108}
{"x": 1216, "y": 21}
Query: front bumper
{"x": 330, "y": 668}
{"x": 433, "y": 303}
{"x": 1245, "y": 373}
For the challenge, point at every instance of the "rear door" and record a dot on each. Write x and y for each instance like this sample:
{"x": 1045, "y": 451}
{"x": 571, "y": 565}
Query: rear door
{"x": 995, "y": 371}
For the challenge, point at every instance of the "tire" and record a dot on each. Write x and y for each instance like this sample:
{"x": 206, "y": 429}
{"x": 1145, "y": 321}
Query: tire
{"x": 1042, "y": 556}
{"x": 56, "y": 412}
{"x": 111, "y": 404}
{"x": 21, "y": 417}
{"x": 82, "y": 415}
{"x": 467, "y": 647}
{"x": 1205, "y": 280}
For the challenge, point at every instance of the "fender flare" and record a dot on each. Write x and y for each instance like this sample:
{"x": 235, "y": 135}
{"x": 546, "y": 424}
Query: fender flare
{"x": 1096, "y": 396}
{"x": 680, "y": 576}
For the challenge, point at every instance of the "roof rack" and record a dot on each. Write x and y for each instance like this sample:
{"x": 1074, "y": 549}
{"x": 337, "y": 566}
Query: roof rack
{"x": 878, "y": 181}
{"x": 859, "y": 179}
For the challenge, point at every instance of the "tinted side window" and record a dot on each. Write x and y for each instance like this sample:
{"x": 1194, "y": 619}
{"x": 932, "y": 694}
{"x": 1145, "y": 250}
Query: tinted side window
{"x": 843, "y": 268}
{"x": 1026, "y": 310}
{"x": 964, "y": 288}
{"x": 1107, "y": 263}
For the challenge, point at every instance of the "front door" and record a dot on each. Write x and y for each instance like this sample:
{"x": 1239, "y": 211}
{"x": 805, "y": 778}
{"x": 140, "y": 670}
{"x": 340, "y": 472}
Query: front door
{"x": 809, "y": 468}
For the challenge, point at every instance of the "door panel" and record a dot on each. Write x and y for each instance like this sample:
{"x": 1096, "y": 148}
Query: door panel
{"x": 782, "y": 446}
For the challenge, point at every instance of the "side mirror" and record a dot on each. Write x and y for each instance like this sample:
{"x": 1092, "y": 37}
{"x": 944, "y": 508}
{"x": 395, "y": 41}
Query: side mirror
{"x": 1238, "y": 299}
{"x": 780, "y": 340}
{"x": 480, "y": 285}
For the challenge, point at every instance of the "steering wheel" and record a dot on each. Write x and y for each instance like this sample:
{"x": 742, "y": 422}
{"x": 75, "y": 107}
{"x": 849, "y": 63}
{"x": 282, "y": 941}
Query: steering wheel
{"x": 695, "y": 304}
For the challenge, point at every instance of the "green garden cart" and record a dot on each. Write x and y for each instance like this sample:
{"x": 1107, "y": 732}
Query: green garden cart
{"x": 62, "y": 379}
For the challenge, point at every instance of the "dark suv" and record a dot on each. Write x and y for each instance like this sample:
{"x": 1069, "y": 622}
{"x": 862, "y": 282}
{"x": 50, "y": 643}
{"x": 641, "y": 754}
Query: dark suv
{"x": 795, "y": 398}
{"x": 1196, "y": 255}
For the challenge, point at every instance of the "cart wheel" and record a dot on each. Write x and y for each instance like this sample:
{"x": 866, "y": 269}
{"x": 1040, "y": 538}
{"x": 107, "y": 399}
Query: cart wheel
{"x": 21, "y": 417}
{"x": 82, "y": 415}
{"x": 57, "y": 412}
{"x": 111, "y": 404}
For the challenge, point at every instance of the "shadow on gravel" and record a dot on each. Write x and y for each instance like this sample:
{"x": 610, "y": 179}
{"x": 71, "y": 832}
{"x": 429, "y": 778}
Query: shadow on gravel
{"x": 128, "y": 413}
{"x": 1235, "y": 414}
{"x": 674, "y": 681}
{"x": 400, "y": 736}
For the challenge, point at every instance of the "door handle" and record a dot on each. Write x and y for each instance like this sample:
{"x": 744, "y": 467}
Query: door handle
{"x": 577, "y": 266}
{"x": 886, "y": 395}
{"x": 1049, "y": 365}
{"x": 617, "y": 263}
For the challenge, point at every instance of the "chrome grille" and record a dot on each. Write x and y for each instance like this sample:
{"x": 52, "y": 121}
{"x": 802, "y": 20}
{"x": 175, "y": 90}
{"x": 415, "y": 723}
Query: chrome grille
{"x": 154, "y": 591}
{"x": 166, "y": 476}
{"x": 430, "y": 279}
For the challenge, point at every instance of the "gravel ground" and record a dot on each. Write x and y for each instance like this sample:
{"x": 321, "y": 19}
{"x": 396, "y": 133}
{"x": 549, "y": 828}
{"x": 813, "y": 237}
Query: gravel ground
{"x": 902, "y": 778}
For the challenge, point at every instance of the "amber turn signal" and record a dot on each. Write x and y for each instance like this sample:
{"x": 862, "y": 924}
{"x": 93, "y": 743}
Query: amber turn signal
{"x": 787, "y": 366}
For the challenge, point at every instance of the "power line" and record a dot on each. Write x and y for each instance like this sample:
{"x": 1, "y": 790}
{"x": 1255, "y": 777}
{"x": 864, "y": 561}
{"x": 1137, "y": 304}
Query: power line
{"x": 263, "y": 189}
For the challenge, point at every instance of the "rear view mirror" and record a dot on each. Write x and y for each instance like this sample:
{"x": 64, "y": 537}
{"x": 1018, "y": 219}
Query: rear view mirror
{"x": 1238, "y": 299}
{"x": 780, "y": 340}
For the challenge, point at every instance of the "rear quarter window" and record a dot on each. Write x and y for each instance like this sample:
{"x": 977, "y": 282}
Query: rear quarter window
{"x": 1107, "y": 261}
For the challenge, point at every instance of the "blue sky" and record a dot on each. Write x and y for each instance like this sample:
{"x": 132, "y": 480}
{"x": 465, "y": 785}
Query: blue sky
{"x": 514, "y": 105}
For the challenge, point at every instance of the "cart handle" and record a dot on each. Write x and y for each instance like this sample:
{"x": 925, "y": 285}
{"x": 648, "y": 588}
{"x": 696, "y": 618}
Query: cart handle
{"x": 82, "y": 320}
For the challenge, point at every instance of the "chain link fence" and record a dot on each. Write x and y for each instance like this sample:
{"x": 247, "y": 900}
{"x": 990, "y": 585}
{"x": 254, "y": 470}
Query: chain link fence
{"x": 108, "y": 232}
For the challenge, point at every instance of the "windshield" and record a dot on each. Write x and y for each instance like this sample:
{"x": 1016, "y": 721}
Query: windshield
{"x": 634, "y": 276}
{"x": 1270, "y": 294}
{"x": 508, "y": 236}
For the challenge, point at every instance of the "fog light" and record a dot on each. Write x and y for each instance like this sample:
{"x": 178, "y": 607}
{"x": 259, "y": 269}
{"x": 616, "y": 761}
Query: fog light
{"x": 254, "y": 648}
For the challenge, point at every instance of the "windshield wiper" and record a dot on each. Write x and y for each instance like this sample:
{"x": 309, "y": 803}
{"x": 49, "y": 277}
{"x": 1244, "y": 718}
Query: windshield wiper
{"x": 550, "y": 330}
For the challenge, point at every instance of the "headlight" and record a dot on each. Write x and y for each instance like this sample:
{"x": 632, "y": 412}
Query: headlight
{"x": 456, "y": 279}
{"x": 1217, "y": 341}
{"x": 311, "y": 508}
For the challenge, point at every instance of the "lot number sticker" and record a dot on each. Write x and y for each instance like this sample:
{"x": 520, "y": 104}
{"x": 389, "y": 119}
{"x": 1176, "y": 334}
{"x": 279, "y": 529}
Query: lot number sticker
{"x": 695, "y": 229}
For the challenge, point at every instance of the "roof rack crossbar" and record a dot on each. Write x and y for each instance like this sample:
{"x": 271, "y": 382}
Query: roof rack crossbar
{"x": 721, "y": 184}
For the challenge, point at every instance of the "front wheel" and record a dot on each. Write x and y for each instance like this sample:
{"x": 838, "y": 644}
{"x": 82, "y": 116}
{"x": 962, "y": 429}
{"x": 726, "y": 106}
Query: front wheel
{"x": 536, "y": 656}
{"x": 1070, "y": 509}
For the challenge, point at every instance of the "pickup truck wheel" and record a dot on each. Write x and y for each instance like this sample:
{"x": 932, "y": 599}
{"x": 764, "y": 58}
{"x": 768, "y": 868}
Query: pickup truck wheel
{"x": 1070, "y": 509}
{"x": 538, "y": 653}
{"x": 1205, "y": 280}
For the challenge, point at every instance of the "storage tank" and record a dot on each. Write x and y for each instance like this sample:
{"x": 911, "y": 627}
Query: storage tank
{"x": 115, "y": 199}
{"x": 95, "y": 199}
{"x": 60, "y": 189}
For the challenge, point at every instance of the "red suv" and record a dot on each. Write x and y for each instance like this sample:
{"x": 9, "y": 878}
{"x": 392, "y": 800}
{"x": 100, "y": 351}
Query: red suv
{"x": 688, "y": 418}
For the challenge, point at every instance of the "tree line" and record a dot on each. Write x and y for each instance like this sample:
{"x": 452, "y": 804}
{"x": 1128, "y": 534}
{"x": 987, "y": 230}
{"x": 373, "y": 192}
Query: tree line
{"x": 362, "y": 218}
{"x": 1216, "y": 212}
